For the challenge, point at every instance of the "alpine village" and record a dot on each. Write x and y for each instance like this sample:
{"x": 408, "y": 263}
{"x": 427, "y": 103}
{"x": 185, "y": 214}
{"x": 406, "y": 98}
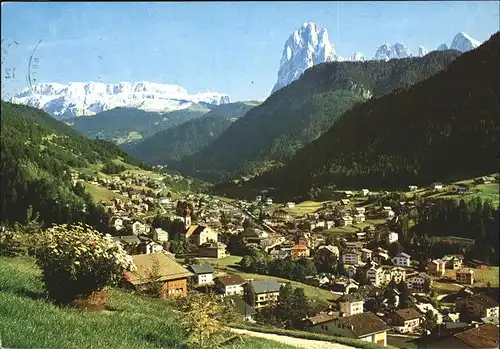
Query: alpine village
{"x": 356, "y": 207}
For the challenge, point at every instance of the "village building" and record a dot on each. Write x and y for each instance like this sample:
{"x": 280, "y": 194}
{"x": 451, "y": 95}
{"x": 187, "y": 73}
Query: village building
{"x": 365, "y": 326}
{"x": 161, "y": 268}
{"x": 352, "y": 257}
{"x": 479, "y": 306}
{"x": 366, "y": 254}
{"x": 412, "y": 188}
{"x": 453, "y": 262}
{"x": 436, "y": 267}
{"x": 230, "y": 284}
{"x": 281, "y": 215}
{"x": 212, "y": 250}
{"x": 374, "y": 275}
{"x": 351, "y": 304}
{"x": 149, "y": 247}
{"x": 328, "y": 249}
{"x": 290, "y": 205}
{"x": 359, "y": 218}
{"x": 380, "y": 257}
{"x": 478, "y": 337}
{"x": 364, "y": 192}
{"x": 387, "y": 212}
{"x": 160, "y": 235}
{"x": 299, "y": 251}
{"x": 265, "y": 292}
{"x": 406, "y": 320}
{"x": 321, "y": 323}
{"x": 200, "y": 234}
{"x": 402, "y": 260}
{"x": 204, "y": 273}
{"x": 343, "y": 286}
{"x": 437, "y": 185}
{"x": 392, "y": 237}
{"x": 419, "y": 282}
{"x": 345, "y": 221}
{"x": 465, "y": 276}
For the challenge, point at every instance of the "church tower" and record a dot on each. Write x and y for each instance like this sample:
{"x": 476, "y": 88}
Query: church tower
{"x": 187, "y": 217}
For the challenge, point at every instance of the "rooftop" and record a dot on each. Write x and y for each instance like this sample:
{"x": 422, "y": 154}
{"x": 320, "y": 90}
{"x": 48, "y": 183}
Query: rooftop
{"x": 168, "y": 269}
{"x": 364, "y": 324}
{"x": 266, "y": 286}
{"x": 408, "y": 313}
{"x": 231, "y": 280}
{"x": 482, "y": 337}
{"x": 322, "y": 318}
{"x": 204, "y": 268}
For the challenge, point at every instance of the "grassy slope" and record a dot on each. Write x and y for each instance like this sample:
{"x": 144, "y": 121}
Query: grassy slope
{"x": 29, "y": 321}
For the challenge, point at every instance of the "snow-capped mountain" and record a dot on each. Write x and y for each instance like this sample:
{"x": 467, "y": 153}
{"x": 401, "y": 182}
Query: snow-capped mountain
{"x": 422, "y": 51}
{"x": 74, "y": 99}
{"x": 387, "y": 52}
{"x": 442, "y": 47}
{"x": 463, "y": 42}
{"x": 307, "y": 46}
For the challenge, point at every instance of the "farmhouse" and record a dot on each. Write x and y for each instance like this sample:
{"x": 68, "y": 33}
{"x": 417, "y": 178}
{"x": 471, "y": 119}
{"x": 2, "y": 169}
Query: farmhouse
{"x": 266, "y": 292}
{"x": 170, "y": 273}
{"x": 230, "y": 284}
{"x": 405, "y": 320}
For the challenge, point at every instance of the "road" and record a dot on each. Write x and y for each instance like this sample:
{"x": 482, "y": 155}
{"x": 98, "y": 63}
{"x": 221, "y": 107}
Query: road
{"x": 293, "y": 341}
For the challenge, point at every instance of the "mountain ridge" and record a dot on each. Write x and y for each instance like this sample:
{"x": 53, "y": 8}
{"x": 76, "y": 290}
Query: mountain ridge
{"x": 75, "y": 99}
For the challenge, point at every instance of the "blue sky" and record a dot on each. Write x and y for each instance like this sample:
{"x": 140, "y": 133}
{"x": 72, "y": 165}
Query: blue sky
{"x": 220, "y": 46}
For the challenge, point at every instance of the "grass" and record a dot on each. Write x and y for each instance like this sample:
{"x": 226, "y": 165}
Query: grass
{"x": 228, "y": 265}
{"x": 102, "y": 194}
{"x": 304, "y": 208}
{"x": 482, "y": 278}
{"x": 28, "y": 320}
{"x": 311, "y": 335}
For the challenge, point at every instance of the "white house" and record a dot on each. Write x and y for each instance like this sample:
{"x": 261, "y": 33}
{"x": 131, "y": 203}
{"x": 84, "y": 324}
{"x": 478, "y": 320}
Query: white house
{"x": 204, "y": 273}
{"x": 230, "y": 284}
{"x": 269, "y": 201}
{"x": 364, "y": 192}
{"x": 374, "y": 275}
{"x": 392, "y": 237}
{"x": 290, "y": 204}
{"x": 358, "y": 218}
{"x": 150, "y": 247}
{"x": 160, "y": 235}
{"x": 351, "y": 258}
{"x": 437, "y": 185}
{"x": 346, "y": 220}
{"x": 402, "y": 260}
{"x": 412, "y": 188}
{"x": 351, "y": 304}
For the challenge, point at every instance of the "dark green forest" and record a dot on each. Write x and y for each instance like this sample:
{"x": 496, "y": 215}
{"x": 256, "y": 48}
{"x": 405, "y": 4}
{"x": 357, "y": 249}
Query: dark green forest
{"x": 37, "y": 152}
{"x": 442, "y": 129}
{"x": 187, "y": 138}
{"x": 116, "y": 124}
{"x": 297, "y": 114}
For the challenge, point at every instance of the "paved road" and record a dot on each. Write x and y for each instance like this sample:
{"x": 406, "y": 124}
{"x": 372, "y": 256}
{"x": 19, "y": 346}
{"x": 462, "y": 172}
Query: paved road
{"x": 296, "y": 342}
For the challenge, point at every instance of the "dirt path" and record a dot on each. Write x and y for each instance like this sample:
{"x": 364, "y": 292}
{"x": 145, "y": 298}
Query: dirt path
{"x": 297, "y": 342}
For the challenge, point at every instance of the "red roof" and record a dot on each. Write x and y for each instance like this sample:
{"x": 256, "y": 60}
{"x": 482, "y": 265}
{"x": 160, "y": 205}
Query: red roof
{"x": 299, "y": 247}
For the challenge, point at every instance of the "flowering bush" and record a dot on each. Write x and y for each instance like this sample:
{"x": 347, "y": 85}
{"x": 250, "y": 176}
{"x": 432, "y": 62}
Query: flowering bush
{"x": 78, "y": 260}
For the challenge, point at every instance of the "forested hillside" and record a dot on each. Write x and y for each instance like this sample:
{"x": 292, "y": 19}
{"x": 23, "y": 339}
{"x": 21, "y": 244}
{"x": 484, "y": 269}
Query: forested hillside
{"x": 37, "y": 152}
{"x": 442, "y": 129}
{"x": 271, "y": 133}
{"x": 124, "y": 125}
{"x": 189, "y": 137}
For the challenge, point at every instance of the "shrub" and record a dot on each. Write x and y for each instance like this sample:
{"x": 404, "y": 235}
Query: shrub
{"x": 78, "y": 260}
{"x": 12, "y": 244}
